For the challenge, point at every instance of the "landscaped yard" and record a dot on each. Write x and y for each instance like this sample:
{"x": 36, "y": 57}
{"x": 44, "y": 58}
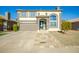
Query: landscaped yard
{"x": 70, "y": 38}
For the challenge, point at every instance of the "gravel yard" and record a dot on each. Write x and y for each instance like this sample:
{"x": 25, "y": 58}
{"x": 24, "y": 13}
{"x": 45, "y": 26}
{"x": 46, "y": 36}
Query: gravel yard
{"x": 32, "y": 41}
{"x": 70, "y": 38}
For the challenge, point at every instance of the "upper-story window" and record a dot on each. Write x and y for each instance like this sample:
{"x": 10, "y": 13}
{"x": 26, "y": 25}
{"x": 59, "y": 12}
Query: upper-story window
{"x": 18, "y": 14}
{"x": 53, "y": 17}
{"x": 24, "y": 14}
{"x": 46, "y": 14}
{"x": 32, "y": 14}
{"x": 38, "y": 14}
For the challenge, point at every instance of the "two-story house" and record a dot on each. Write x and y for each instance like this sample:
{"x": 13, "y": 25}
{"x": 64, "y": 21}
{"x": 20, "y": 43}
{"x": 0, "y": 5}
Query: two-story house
{"x": 35, "y": 20}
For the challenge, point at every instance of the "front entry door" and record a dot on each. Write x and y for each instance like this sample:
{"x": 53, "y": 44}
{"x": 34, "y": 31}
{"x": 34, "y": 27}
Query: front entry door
{"x": 42, "y": 24}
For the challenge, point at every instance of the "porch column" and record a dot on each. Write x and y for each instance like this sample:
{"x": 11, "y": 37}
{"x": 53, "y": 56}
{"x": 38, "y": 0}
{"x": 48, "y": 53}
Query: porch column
{"x": 38, "y": 23}
{"x": 47, "y": 21}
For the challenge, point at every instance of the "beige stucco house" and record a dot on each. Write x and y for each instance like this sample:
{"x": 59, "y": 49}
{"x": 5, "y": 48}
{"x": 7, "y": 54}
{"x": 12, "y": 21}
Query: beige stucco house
{"x": 36, "y": 20}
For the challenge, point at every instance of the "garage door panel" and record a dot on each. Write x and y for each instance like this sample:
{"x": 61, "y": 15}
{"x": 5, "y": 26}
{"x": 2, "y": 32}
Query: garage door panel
{"x": 28, "y": 27}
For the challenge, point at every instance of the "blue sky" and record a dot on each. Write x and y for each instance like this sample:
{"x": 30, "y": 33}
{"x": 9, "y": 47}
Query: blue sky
{"x": 68, "y": 12}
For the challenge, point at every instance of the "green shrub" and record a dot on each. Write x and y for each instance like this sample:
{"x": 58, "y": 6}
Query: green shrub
{"x": 66, "y": 25}
{"x": 15, "y": 27}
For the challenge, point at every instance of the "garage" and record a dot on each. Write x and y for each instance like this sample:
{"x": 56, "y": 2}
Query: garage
{"x": 29, "y": 25}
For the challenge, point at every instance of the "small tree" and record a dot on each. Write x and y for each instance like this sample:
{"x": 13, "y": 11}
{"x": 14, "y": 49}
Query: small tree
{"x": 15, "y": 27}
{"x": 66, "y": 25}
{"x": 18, "y": 26}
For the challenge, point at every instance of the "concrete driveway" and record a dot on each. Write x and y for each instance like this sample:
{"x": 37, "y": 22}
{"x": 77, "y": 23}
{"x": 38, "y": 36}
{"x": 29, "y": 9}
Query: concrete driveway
{"x": 31, "y": 41}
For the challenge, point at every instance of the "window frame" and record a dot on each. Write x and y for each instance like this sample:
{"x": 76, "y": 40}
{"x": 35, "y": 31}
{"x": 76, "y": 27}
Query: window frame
{"x": 46, "y": 14}
{"x": 24, "y": 14}
{"x": 54, "y": 17}
{"x": 53, "y": 20}
{"x": 32, "y": 14}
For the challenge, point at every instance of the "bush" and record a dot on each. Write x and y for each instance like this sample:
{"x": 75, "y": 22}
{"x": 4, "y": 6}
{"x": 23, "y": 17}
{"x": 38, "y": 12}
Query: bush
{"x": 61, "y": 32}
{"x": 66, "y": 25}
{"x": 15, "y": 27}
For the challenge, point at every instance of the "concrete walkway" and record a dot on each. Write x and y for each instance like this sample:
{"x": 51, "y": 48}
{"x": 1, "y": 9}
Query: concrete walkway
{"x": 26, "y": 41}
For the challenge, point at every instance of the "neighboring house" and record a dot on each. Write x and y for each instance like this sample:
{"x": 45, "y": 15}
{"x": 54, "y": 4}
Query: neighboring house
{"x": 75, "y": 24}
{"x": 6, "y": 24}
{"x": 32, "y": 20}
{"x": 3, "y": 23}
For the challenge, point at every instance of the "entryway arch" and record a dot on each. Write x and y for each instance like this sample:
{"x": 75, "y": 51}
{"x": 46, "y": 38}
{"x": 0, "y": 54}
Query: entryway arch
{"x": 42, "y": 24}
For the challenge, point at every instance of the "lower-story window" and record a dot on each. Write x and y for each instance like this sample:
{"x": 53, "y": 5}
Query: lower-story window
{"x": 53, "y": 24}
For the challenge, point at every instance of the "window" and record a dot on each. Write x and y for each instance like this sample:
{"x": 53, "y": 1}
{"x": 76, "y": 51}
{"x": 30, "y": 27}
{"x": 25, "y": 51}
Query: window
{"x": 53, "y": 24}
{"x": 32, "y": 14}
{"x": 53, "y": 21}
{"x": 24, "y": 14}
{"x": 38, "y": 14}
{"x": 52, "y": 17}
{"x": 18, "y": 14}
{"x": 46, "y": 14}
